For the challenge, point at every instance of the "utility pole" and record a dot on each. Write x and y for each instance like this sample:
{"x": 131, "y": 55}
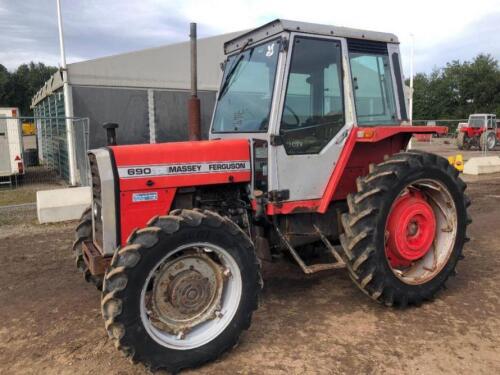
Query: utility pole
{"x": 68, "y": 100}
{"x": 412, "y": 52}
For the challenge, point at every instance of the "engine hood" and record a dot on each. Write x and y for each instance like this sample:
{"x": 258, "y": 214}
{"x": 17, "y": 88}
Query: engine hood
{"x": 179, "y": 164}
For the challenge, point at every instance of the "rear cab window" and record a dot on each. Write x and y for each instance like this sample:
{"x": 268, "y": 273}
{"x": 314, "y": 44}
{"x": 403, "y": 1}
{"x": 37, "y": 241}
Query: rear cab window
{"x": 372, "y": 83}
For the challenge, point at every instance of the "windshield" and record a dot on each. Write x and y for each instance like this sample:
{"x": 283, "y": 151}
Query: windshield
{"x": 476, "y": 121}
{"x": 245, "y": 96}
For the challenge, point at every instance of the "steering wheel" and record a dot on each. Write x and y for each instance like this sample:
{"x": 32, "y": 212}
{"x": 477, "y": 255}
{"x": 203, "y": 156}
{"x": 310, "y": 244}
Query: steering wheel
{"x": 296, "y": 117}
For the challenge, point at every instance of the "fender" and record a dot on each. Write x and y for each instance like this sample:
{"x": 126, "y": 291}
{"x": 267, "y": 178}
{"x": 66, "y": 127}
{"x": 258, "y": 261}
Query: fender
{"x": 363, "y": 146}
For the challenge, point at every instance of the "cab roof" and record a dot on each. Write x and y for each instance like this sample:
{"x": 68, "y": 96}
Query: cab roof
{"x": 279, "y": 25}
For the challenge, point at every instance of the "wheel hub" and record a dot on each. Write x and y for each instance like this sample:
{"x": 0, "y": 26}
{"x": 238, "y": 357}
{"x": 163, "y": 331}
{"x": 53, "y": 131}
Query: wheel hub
{"x": 189, "y": 292}
{"x": 186, "y": 292}
{"x": 410, "y": 230}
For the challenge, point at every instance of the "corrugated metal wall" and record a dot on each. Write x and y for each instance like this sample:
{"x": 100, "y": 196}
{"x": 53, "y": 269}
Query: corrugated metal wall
{"x": 171, "y": 114}
{"x": 127, "y": 107}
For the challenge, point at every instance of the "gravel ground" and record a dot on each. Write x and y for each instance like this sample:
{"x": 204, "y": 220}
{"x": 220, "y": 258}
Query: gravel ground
{"x": 50, "y": 318}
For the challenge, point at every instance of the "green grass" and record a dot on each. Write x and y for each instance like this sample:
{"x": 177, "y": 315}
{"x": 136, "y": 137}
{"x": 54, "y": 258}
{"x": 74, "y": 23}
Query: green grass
{"x": 17, "y": 196}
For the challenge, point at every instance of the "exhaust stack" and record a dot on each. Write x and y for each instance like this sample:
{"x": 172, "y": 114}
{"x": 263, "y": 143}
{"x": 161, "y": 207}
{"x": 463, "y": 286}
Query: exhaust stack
{"x": 194, "y": 118}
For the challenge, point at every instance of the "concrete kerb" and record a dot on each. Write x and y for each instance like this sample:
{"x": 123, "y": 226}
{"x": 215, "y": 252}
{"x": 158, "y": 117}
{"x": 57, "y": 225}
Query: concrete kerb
{"x": 62, "y": 204}
{"x": 482, "y": 165}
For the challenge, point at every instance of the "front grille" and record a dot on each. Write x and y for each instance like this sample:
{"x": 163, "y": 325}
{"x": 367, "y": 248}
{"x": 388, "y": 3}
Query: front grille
{"x": 96, "y": 201}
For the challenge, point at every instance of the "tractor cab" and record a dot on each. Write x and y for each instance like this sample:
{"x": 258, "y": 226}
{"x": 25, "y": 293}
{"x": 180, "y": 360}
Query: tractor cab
{"x": 304, "y": 86}
{"x": 482, "y": 121}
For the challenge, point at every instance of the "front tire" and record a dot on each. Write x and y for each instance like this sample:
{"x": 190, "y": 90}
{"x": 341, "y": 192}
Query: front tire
{"x": 83, "y": 232}
{"x": 182, "y": 290}
{"x": 463, "y": 141}
{"x": 406, "y": 228}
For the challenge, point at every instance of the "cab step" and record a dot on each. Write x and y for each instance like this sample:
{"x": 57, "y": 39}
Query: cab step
{"x": 313, "y": 268}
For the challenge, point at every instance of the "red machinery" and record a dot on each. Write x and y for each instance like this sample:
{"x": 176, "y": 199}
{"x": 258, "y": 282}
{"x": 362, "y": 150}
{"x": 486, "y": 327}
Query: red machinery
{"x": 481, "y": 131}
{"x": 306, "y": 157}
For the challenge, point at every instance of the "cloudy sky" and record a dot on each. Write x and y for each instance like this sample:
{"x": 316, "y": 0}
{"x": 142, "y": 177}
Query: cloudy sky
{"x": 443, "y": 29}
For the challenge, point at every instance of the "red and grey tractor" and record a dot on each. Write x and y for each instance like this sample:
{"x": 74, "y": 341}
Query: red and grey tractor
{"x": 306, "y": 157}
{"x": 481, "y": 131}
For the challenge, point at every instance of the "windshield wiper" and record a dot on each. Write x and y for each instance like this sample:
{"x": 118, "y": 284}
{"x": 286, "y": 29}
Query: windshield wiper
{"x": 225, "y": 84}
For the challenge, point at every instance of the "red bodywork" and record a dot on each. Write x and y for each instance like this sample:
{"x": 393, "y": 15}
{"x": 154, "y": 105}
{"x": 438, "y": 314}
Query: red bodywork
{"x": 476, "y": 131}
{"x": 362, "y": 147}
{"x": 179, "y": 155}
{"x": 473, "y": 131}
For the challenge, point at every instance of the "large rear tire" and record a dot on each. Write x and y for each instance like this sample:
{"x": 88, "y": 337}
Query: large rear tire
{"x": 487, "y": 141}
{"x": 83, "y": 232}
{"x": 182, "y": 290}
{"x": 406, "y": 228}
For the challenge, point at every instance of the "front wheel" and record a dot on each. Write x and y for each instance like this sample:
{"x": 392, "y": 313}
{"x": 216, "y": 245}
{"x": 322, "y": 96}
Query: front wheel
{"x": 406, "y": 228}
{"x": 463, "y": 141}
{"x": 83, "y": 232}
{"x": 182, "y": 290}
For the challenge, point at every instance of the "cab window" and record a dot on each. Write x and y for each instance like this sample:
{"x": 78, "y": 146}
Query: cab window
{"x": 313, "y": 110}
{"x": 490, "y": 122}
{"x": 372, "y": 83}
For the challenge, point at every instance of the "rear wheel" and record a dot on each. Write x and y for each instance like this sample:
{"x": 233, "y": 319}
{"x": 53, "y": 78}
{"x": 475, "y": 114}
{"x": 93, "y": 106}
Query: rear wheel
{"x": 182, "y": 290}
{"x": 83, "y": 232}
{"x": 405, "y": 229}
{"x": 487, "y": 141}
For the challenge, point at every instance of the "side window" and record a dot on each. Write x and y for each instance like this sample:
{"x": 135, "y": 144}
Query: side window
{"x": 490, "y": 122}
{"x": 372, "y": 83}
{"x": 314, "y": 106}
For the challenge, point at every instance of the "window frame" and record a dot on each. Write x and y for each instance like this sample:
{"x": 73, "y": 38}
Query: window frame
{"x": 395, "y": 89}
{"x": 284, "y": 91}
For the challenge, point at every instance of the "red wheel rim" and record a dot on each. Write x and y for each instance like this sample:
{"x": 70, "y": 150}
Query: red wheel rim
{"x": 410, "y": 229}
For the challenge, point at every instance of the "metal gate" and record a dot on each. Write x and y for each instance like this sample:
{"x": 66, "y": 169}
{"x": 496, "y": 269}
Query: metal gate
{"x": 45, "y": 150}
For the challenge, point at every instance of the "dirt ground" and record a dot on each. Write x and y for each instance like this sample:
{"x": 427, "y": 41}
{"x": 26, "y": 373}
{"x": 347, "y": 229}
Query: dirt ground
{"x": 50, "y": 319}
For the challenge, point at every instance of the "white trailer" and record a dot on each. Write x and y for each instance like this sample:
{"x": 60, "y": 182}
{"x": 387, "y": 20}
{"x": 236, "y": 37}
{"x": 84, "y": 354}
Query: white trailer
{"x": 11, "y": 146}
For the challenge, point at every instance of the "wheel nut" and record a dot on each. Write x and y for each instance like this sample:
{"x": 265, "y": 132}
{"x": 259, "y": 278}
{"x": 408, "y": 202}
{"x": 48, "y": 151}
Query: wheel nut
{"x": 180, "y": 335}
{"x": 227, "y": 272}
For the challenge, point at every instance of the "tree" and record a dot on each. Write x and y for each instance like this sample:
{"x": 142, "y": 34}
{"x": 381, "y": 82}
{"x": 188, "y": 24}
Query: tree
{"x": 458, "y": 90}
{"x": 17, "y": 88}
{"x": 4, "y": 79}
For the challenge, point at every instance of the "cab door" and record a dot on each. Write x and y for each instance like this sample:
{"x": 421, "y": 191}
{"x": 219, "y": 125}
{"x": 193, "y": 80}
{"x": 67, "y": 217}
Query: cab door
{"x": 312, "y": 124}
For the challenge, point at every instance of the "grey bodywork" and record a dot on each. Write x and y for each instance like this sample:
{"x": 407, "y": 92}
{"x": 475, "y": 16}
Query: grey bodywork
{"x": 109, "y": 218}
{"x": 278, "y": 26}
{"x": 319, "y": 166}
